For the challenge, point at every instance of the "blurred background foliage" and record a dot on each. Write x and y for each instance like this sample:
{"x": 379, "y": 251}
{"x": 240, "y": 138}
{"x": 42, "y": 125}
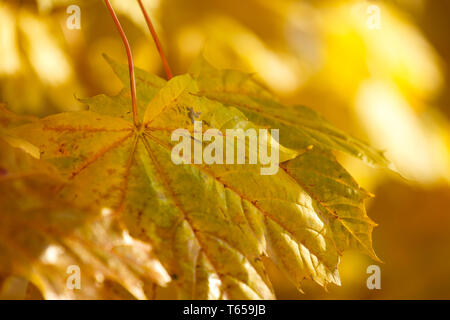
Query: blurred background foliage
{"x": 388, "y": 86}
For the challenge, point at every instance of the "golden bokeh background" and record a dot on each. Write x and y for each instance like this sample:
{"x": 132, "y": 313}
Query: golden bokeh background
{"x": 386, "y": 83}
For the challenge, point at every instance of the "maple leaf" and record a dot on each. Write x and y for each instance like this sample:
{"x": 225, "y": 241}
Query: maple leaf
{"x": 210, "y": 225}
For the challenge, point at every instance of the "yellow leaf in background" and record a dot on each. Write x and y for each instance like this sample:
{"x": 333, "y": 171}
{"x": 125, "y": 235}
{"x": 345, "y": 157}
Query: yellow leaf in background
{"x": 281, "y": 73}
{"x": 34, "y": 61}
{"x": 417, "y": 145}
{"x": 9, "y": 53}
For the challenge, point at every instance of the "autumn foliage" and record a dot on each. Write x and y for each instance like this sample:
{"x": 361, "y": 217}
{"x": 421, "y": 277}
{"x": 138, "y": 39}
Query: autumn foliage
{"x": 97, "y": 188}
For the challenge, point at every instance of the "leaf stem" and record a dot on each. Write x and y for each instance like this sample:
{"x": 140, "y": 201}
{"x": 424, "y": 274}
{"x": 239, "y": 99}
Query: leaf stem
{"x": 156, "y": 40}
{"x": 130, "y": 62}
